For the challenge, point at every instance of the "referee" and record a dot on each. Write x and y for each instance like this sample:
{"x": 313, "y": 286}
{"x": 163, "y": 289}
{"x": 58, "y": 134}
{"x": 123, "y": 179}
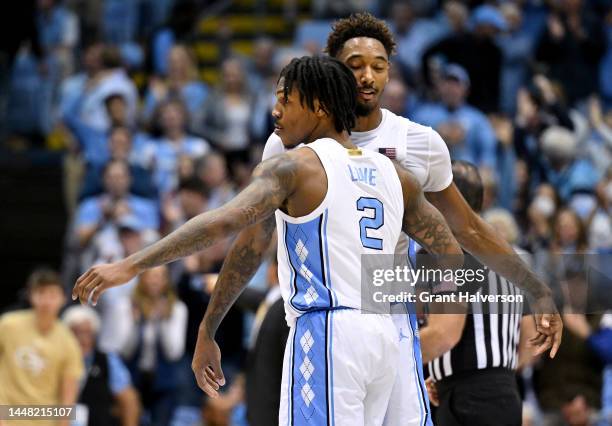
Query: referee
{"x": 472, "y": 353}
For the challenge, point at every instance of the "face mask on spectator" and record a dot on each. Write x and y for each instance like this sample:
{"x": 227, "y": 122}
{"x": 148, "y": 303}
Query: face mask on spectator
{"x": 583, "y": 205}
{"x": 544, "y": 205}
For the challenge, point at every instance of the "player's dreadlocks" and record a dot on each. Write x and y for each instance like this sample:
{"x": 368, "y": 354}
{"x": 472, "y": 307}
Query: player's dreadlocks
{"x": 359, "y": 25}
{"x": 328, "y": 80}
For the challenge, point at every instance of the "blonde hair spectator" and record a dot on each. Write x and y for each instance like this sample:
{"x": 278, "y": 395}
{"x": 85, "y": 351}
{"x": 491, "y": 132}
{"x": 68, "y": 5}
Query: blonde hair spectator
{"x": 504, "y": 223}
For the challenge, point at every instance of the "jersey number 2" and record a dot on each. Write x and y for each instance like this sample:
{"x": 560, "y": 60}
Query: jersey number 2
{"x": 375, "y": 222}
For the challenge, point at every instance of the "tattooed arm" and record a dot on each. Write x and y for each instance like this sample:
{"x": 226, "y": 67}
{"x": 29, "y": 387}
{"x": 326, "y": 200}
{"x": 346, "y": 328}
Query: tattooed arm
{"x": 424, "y": 223}
{"x": 481, "y": 240}
{"x": 273, "y": 182}
{"x": 239, "y": 266}
{"x": 241, "y": 263}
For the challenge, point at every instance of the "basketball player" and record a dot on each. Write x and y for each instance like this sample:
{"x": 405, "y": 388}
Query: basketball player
{"x": 365, "y": 45}
{"x": 333, "y": 203}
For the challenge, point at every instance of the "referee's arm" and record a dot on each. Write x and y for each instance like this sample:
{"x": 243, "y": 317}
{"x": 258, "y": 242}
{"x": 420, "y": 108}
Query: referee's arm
{"x": 443, "y": 330}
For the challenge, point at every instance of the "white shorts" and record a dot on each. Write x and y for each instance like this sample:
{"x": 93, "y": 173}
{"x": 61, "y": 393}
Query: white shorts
{"x": 409, "y": 402}
{"x": 339, "y": 369}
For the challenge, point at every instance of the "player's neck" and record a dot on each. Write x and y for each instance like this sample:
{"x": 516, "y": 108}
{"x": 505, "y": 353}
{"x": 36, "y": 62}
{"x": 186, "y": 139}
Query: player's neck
{"x": 328, "y": 130}
{"x": 344, "y": 140}
{"x": 368, "y": 122}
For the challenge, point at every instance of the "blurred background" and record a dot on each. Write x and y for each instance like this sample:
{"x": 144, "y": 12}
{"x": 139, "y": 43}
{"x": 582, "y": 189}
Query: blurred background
{"x": 122, "y": 119}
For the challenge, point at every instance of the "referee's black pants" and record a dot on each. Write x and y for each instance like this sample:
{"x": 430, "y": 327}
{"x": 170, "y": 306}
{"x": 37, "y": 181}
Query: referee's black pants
{"x": 479, "y": 398}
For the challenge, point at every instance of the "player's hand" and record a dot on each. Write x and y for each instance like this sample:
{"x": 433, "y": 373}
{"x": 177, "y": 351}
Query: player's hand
{"x": 432, "y": 391}
{"x": 100, "y": 278}
{"x": 206, "y": 365}
{"x": 549, "y": 326}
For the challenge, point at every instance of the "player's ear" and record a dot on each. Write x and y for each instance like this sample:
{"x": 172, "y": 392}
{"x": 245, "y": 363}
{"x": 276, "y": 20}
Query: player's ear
{"x": 388, "y": 72}
{"x": 320, "y": 111}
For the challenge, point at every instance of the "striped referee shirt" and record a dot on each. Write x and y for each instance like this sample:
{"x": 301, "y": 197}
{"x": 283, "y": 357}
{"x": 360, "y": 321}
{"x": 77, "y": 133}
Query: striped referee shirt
{"x": 491, "y": 334}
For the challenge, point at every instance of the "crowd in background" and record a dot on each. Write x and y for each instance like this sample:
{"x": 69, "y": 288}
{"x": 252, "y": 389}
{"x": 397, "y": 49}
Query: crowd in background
{"x": 521, "y": 88}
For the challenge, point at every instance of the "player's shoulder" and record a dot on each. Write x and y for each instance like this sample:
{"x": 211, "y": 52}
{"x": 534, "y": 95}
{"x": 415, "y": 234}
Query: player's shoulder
{"x": 274, "y": 146}
{"x": 286, "y": 162}
{"x": 416, "y": 134}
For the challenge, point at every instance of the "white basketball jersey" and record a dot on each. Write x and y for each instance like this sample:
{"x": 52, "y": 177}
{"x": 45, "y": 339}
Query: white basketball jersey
{"x": 418, "y": 148}
{"x": 319, "y": 255}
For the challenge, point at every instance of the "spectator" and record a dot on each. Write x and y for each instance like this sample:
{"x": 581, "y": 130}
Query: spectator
{"x": 96, "y": 214}
{"x": 504, "y": 223}
{"x": 600, "y": 223}
{"x": 398, "y": 98}
{"x": 213, "y": 172}
{"x": 517, "y": 46}
{"x": 40, "y": 360}
{"x": 538, "y": 108}
{"x": 605, "y": 84}
{"x": 338, "y": 8}
{"x": 156, "y": 324}
{"x": 465, "y": 129}
{"x": 572, "y": 46}
{"x": 261, "y": 69}
{"x": 564, "y": 169}
{"x": 178, "y": 29}
{"x": 191, "y": 200}
{"x": 112, "y": 80}
{"x": 540, "y": 214}
{"x": 37, "y": 73}
{"x": 58, "y": 29}
{"x": 261, "y": 122}
{"x": 599, "y": 144}
{"x": 478, "y": 53}
{"x": 569, "y": 234}
{"x": 181, "y": 83}
{"x": 93, "y": 142}
{"x": 569, "y": 386}
{"x": 108, "y": 381}
{"x": 507, "y": 170}
{"x": 413, "y": 34}
{"x": 165, "y": 152}
{"x": 226, "y": 113}
{"x": 121, "y": 148}
{"x": 128, "y": 238}
{"x": 74, "y": 85}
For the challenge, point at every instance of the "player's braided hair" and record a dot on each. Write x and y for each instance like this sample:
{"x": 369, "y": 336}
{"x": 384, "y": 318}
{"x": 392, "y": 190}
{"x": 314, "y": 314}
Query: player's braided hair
{"x": 361, "y": 24}
{"x": 328, "y": 80}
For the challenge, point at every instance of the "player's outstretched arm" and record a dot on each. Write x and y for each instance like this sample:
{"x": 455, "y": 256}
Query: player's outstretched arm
{"x": 424, "y": 223}
{"x": 242, "y": 261}
{"x": 273, "y": 182}
{"x": 481, "y": 240}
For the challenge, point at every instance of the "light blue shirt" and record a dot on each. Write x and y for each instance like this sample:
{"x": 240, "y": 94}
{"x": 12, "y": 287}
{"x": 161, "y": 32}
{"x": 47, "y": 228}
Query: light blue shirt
{"x": 422, "y": 34}
{"x": 164, "y": 156}
{"x": 581, "y": 175}
{"x": 90, "y": 211}
{"x": 480, "y": 144}
{"x": 193, "y": 94}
